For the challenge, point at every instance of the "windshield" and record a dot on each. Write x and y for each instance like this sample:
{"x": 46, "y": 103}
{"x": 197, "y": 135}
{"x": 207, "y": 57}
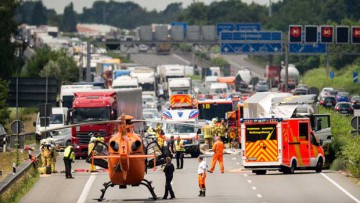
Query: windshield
{"x": 210, "y": 111}
{"x": 56, "y": 119}
{"x": 180, "y": 91}
{"x": 176, "y": 128}
{"x": 67, "y": 101}
{"x": 91, "y": 114}
{"x": 147, "y": 86}
{"x": 125, "y": 87}
{"x": 218, "y": 91}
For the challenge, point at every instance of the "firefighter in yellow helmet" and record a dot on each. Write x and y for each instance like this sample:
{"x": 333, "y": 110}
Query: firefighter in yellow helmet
{"x": 42, "y": 145}
{"x": 91, "y": 146}
{"x": 48, "y": 153}
{"x": 208, "y": 136}
{"x": 222, "y": 129}
{"x": 53, "y": 153}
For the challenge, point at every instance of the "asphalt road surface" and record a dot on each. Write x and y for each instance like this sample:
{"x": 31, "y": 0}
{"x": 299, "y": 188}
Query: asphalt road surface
{"x": 235, "y": 185}
{"x": 152, "y": 59}
{"x": 240, "y": 62}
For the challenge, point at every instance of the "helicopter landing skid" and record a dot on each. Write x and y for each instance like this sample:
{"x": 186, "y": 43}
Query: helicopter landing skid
{"x": 110, "y": 184}
{"x": 151, "y": 189}
{"x": 106, "y": 186}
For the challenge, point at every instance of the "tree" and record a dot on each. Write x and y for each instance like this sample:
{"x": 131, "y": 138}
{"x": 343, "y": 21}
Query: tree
{"x": 39, "y": 14}
{"x": 8, "y": 61}
{"x": 69, "y": 20}
{"x": 4, "y": 112}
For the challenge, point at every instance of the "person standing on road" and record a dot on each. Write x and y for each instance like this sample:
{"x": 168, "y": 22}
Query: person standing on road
{"x": 180, "y": 149}
{"x": 208, "y": 136}
{"x": 170, "y": 147}
{"x": 169, "y": 172}
{"x": 218, "y": 149}
{"x": 222, "y": 131}
{"x": 202, "y": 176}
{"x": 92, "y": 168}
{"x": 69, "y": 157}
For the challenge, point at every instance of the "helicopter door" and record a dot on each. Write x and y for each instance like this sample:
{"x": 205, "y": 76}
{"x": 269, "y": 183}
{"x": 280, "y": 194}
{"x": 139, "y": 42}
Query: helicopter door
{"x": 100, "y": 149}
{"x": 153, "y": 147}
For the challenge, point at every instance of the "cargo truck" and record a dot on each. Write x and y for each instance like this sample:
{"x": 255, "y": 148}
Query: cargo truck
{"x": 102, "y": 105}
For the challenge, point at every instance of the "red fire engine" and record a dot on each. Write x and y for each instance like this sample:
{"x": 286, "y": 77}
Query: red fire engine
{"x": 280, "y": 144}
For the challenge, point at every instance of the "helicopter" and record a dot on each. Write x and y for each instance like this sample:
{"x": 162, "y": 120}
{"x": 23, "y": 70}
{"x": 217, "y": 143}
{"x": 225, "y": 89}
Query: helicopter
{"x": 126, "y": 155}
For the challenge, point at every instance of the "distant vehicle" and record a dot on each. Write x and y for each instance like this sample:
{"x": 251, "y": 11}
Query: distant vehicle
{"x": 272, "y": 75}
{"x": 149, "y": 101}
{"x": 343, "y": 97}
{"x": 154, "y": 111}
{"x": 58, "y": 118}
{"x": 344, "y": 108}
{"x": 3, "y": 134}
{"x": 62, "y": 137}
{"x": 328, "y": 101}
{"x": 355, "y": 101}
{"x": 293, "y": 77}
{"x": 300, "y": 91}
{"x": 149, "y": 115}
{"x": 219, "y": 89}
{"x": 325, "y": 91}
{"x": 143, "y": 48}
{"x": 262, "y": 86}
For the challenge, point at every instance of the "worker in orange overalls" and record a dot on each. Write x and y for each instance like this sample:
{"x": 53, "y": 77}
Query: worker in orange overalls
{"x": 218, "y": 149}
{"x": 202, "y": 176}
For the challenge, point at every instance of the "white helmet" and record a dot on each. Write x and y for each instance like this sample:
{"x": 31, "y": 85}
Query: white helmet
{"x": 93, "y": 139}
{"x": 42, "y": 141}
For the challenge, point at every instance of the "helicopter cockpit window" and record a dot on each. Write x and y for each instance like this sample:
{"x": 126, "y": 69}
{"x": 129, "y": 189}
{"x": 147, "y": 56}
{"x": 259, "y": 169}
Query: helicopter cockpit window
{"x": 91, "y": 114}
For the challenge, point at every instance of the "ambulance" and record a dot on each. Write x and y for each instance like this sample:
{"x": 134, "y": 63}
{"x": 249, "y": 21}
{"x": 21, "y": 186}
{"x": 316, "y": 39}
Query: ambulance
{"x": 280, "y": 144}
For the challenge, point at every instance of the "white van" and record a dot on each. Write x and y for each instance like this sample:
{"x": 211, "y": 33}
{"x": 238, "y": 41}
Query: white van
{"x": 219, "y": 89}
{"x": 58, "y": 118}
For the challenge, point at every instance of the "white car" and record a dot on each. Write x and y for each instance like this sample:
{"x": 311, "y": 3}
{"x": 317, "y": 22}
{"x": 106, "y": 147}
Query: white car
{"x": 325, "y": 92}
{"x": 143, "y": 48}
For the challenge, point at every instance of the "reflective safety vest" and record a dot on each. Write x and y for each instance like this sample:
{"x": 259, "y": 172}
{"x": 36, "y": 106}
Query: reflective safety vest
{"x": 160, "y": 140}
{"x": 207, "y": 131}
{"x": 222, "y": 130}
{"x": 179, "y": 146}
{"x": 90, "y": 148}
{"x": 69, "y": 153}
{"x": 232, "y": 133}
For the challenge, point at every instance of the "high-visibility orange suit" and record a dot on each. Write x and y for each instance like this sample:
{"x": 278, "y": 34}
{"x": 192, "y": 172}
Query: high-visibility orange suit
{"x": 218, "y": 149}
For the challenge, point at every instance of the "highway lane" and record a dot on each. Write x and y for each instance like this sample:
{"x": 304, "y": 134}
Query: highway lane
{"x": 233, "y": 186}
{"x": 240, "y": 62}
{"x": 152, "y": 59}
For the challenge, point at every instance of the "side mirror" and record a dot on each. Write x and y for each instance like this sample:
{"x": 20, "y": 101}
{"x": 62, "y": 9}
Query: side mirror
{"x": 34, "y": 123}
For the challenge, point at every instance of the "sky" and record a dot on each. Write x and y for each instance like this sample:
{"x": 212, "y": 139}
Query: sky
{"x": 159, "y": 5}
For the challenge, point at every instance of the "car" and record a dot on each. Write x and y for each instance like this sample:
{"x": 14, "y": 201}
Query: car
{"x": 62, "y": 137}
{"x": 143, "y": 48}
{"x": 262, "y": 86}
{"x": 344, "y": 108}
{"x": 328, "y": 101}
{"x": 151, "y": 110}
{"x": 300, "y": 91}
{"x": 3, "y": 134}
{"x": 149, "y": 115}
{"x": 355, "y": 101}
{"x": 325, "y": 91}
{"x": 343, "y": 97}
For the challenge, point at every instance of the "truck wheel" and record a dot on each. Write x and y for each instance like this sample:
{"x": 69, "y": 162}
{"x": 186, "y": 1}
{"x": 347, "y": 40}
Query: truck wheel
{"x": 319, "y": 165}
{"x": 260, "y": 172}
{"x": 292, "y": 167}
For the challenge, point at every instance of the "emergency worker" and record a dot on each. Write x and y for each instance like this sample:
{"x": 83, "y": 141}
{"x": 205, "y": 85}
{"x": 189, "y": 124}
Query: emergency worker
{"x": 69, "y": 157}
{"x": 47, "y": 153}
{"x": 202, "y": 176}
{"x": 54, "y": 154}
{"x": 208, "y": 136}
{"x": 214, "y": 125}
{"x": 91, "y": 146}
{"x": 222, "y": 128}
{"x": 218, "y": 149}
{"x": 180, "y": 150}
{"x": 161, "y": 139}
{"x": 150, "y": 131}
{"x": 158, "y": 129}
{"x": 170, "y": 147}
{"x": 42, "y": 145}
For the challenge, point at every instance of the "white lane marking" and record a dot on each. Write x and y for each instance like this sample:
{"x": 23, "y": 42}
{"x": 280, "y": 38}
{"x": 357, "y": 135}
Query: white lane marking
{"x": 259, "y": 195}
{"x": 249, "y": 181}
{"x": 254, "y": 188}
{"x": 182, "y": 59}
{"x": 341, "y": 188}
{"x": 245, "y": 175}
{"x": 86, "y": 189}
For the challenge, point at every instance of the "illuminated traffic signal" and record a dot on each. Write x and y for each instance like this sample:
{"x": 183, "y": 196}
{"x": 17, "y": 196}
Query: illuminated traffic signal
{"x": 327, "y": 34}
{"x": 355, "y": 34}
{"x": 342, "y": 34}
{"x": 295, "y": 33}
{"x": 311, "y": 34}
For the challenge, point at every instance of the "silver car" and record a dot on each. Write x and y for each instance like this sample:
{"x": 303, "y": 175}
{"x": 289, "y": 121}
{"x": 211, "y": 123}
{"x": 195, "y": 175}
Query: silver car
{"x": 62, "y": 137}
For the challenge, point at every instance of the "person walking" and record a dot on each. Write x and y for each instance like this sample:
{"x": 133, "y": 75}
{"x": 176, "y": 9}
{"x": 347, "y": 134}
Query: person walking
{"x": 169, "y": 174}
{"x": 69, "y": 157}
{"x": 180, "y": 149}
{"x": 222, "y": 129}
{"x": 218, "y": 149}
{"x": 92, "y": 168}
{"x": 208, "y": 136}
{"x": 202, "y": 176}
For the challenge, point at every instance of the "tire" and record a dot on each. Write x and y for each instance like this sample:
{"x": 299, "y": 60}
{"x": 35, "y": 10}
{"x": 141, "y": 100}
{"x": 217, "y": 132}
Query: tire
{"x": 292, "y": 167}
{"x": 260, "y": 172}
{"x": 319, "y": 165}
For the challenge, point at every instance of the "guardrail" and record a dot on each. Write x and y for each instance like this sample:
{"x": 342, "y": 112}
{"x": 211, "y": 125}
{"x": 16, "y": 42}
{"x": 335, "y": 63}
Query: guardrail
{"x": 20, "y": 171}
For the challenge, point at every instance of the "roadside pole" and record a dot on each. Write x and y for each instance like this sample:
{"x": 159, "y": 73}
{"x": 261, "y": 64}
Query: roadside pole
{"x": 286, "y": 66}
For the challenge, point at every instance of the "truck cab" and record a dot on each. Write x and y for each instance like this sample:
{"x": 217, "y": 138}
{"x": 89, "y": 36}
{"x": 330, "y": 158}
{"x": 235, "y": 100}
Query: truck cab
{"x": 58, "y": 118}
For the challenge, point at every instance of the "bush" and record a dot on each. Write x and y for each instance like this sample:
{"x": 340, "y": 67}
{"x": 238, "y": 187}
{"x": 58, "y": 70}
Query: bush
{"x": 219, "y": 62}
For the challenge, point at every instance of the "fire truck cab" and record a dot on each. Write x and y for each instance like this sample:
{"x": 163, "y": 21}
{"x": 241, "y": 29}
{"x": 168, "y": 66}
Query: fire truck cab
{"x": 280, "y": 144}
